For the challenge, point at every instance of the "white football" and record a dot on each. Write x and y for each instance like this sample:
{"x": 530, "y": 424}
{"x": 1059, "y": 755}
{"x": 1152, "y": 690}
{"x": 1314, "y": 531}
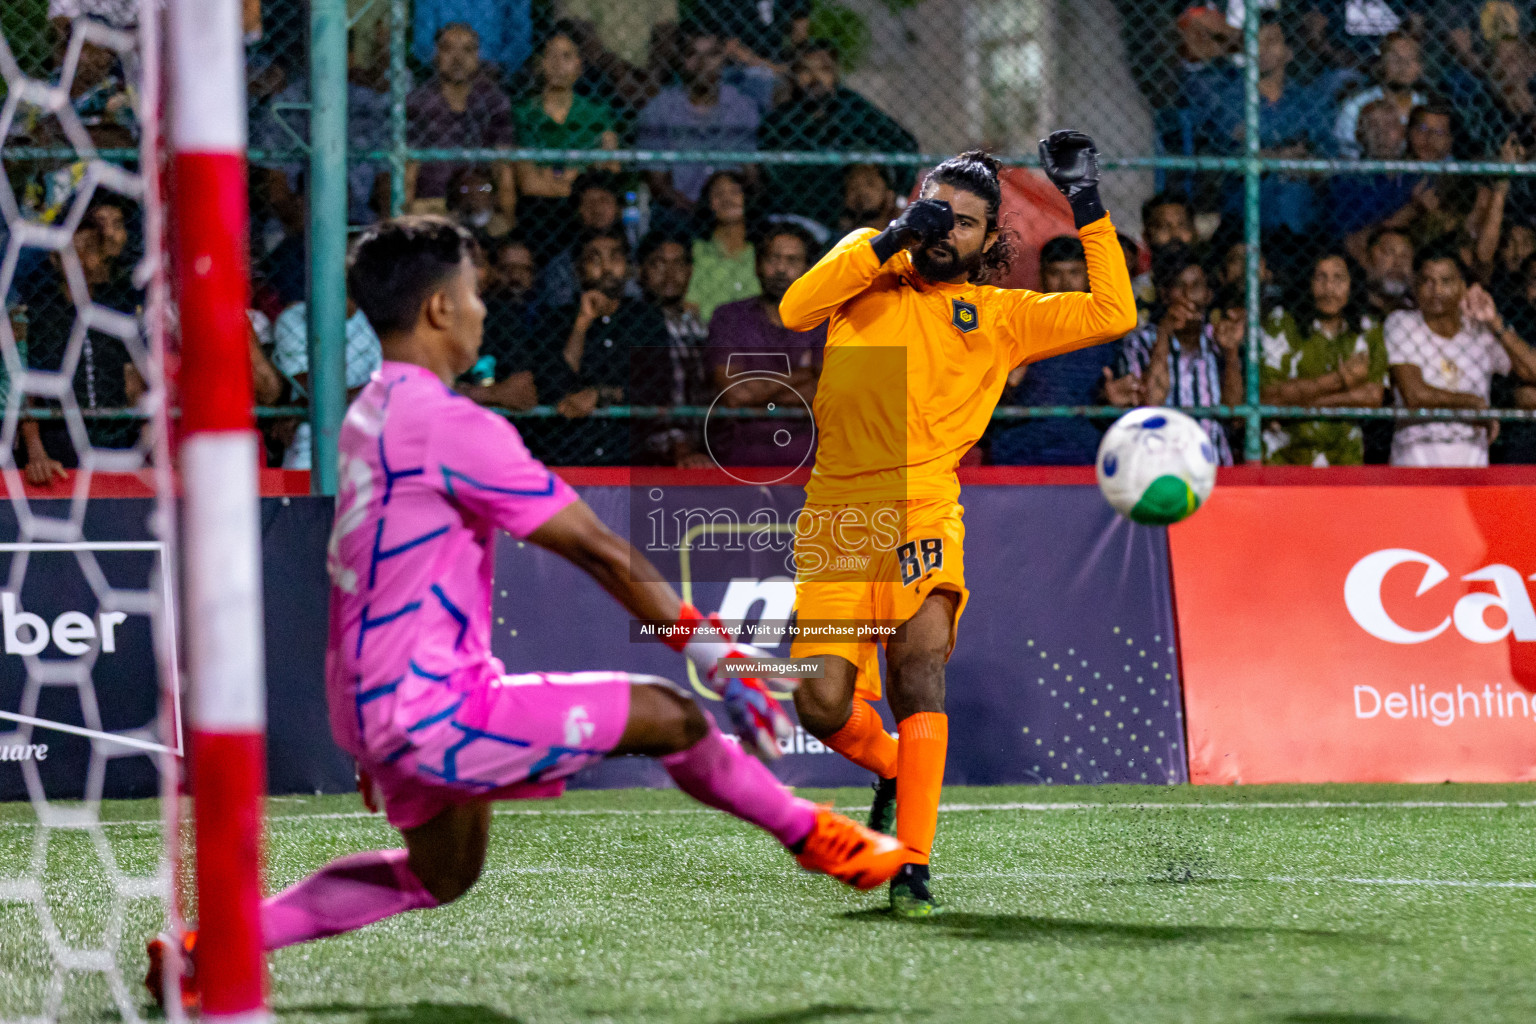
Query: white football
{"x": 1156, "y": 466}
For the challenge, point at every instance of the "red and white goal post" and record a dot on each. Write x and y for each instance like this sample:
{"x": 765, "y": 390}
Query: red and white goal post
{"x": 218, "y": 456}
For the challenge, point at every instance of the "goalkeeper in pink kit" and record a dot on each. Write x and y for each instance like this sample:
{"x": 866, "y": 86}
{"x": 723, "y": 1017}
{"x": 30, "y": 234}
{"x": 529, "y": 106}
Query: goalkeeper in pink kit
{"x": 438, "y": 727}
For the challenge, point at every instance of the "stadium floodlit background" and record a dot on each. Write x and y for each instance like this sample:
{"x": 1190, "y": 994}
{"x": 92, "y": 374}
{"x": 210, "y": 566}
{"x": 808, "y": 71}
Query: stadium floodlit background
{"x": 820, "y": 113}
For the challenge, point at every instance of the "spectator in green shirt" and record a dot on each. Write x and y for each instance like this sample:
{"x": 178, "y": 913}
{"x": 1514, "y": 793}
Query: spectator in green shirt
{"x": 558, "y": 117}
{"x": 1325, "y": 353}
{"x": 724, "y": 263}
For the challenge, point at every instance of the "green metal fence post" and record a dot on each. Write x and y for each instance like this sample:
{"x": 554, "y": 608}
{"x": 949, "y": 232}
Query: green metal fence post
{"x": 1253, "y": 450}
{"x": 327, "y": 236}
{"x": 399, "y": 86}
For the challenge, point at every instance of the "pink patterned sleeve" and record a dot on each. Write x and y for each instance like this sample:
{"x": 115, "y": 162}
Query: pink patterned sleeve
{"x": 483, "y": 467}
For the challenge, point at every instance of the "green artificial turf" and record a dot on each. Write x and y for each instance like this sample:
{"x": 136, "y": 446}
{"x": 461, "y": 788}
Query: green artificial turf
{"x": 1135, "y": 904}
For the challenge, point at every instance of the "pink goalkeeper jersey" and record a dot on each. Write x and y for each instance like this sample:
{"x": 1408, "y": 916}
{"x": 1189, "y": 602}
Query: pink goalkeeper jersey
{"x": 427, "y": 477}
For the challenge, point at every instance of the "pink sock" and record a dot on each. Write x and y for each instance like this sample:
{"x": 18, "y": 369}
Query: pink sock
{"x": 343, "y": 896}
{"x": 719, "y": 773}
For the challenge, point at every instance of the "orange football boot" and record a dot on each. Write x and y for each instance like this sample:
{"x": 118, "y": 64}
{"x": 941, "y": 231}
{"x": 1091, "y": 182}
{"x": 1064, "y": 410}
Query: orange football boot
{"x": 851, "y": 853}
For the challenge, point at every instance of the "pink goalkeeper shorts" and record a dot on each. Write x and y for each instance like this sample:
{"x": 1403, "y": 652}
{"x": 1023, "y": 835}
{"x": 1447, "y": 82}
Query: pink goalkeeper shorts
{"x": 518, "y": 738}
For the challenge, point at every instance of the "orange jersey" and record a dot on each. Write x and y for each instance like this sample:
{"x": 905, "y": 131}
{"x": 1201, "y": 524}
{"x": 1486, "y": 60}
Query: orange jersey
{"x": 913, "y": 369}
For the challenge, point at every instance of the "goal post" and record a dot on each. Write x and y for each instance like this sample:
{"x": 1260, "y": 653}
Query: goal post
{"x": 219, "y": 452}
{"x": 91, "y": 627}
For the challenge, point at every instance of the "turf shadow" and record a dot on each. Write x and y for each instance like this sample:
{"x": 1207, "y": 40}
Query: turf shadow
{"x": 410, "y": 1013}
{"x": 813, "y": 1014}
{"x": 1024, "y": 928}
{"x": 1329, "y": 1017}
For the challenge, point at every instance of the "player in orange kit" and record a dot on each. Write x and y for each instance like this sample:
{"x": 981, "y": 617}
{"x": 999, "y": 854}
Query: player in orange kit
{"x": 918, "y": 349}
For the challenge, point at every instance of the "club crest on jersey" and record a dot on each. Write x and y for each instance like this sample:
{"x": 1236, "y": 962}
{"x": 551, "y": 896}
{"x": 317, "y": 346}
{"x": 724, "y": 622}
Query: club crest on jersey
{"x": 964, "y": 316}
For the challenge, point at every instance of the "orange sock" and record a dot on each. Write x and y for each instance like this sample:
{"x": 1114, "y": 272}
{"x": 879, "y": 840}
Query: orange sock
{"x": 864, "y": 741}
{"x": 920, "y": 778}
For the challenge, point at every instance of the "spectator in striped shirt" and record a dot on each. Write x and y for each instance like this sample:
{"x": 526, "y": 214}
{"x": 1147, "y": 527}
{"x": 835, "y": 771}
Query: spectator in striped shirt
{"x": 1183, "y": 359}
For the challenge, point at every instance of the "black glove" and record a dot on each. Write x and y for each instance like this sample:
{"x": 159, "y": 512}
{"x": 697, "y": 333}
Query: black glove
{"x": 1070, "y": 161}
{"x": 926, "y": 221}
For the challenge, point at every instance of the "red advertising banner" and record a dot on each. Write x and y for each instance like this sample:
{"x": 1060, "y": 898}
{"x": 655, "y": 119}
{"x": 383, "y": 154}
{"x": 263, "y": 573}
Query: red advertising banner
{"x": 1359, "y": 634}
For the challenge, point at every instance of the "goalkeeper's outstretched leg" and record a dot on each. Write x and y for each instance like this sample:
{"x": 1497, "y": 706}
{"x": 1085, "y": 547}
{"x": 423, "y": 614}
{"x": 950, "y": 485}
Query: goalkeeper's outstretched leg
{"x": 531, "y": 730}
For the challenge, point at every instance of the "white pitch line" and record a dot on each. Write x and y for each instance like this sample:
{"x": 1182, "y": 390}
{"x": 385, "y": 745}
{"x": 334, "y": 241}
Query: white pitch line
{"x": 1249, "y": 805}
{"x": 1457, "y": 883}
{"x": 1085, "y": 876}
{"x": 1253, "y": 805}
{"x": 1064, "y": 876}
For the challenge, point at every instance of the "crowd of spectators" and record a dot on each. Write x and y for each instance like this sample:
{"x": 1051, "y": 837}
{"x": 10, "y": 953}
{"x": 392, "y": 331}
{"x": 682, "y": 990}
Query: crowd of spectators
{"x": 1412, "y": 329}
{"x": 1378, "y": 287}
{"x": 1411, "y": 88}
{"x": 612, "y": 284}
{"x": 605, "y": 284}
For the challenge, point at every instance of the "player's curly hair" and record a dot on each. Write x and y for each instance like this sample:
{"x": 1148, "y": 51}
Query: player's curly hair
{"x": 976, "y": 172}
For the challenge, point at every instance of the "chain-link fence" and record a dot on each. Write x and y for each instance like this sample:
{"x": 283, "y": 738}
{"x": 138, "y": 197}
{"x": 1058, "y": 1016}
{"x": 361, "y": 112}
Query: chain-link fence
{"x": 1326, "y": 204}
{"x": 82, "y": 376}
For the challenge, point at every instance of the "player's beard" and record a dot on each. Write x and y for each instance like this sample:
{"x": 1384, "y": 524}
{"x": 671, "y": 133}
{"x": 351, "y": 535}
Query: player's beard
{"x": 948, "y": 266}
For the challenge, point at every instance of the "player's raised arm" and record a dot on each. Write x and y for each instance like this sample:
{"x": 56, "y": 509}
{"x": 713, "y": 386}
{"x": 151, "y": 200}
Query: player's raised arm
{"x": 1048, "y": 325}
{"x": 856, "y": 261}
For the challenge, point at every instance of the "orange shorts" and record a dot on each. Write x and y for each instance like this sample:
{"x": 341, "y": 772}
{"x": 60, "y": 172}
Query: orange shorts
{"x": 862, "y": 570}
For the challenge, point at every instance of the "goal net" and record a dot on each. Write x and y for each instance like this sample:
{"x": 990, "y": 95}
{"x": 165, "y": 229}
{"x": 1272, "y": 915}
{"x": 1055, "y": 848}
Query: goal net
{"x": 90, "y": 681}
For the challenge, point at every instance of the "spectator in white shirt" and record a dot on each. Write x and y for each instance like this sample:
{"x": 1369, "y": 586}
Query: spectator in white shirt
{"x": 1444, "y": 356}
{"x": 291, "y": 354}
{"x": 1399, "y": 69}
